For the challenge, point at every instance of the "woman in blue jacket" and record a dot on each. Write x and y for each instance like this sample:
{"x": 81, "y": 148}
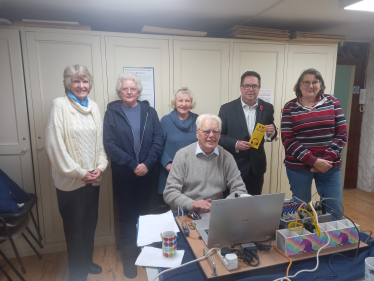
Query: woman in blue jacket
{"x": 133, "y": 139}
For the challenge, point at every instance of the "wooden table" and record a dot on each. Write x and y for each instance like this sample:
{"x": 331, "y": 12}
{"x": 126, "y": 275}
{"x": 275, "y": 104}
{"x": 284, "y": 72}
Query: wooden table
{"x": 270, "y": 258}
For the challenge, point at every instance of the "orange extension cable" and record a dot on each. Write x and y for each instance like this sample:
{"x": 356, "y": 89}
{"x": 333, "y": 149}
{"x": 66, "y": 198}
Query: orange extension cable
{"x": 289, "y": 266}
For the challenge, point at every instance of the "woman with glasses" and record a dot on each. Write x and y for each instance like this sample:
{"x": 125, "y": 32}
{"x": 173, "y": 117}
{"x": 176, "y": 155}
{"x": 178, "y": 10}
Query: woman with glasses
{"x": 133, "y": 140}
{"x": 314, "y": 132}
{"x": 179, "y": 129}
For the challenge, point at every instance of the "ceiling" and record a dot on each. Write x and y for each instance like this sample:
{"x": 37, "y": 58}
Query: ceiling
{"x": 213, "y": 16}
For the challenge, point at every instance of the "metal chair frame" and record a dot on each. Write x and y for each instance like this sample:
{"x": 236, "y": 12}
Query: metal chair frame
{"x": 10, "y": 224}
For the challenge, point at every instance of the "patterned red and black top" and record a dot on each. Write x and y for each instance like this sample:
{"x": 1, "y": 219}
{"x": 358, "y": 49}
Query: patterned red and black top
{"x": 311, "y": 133}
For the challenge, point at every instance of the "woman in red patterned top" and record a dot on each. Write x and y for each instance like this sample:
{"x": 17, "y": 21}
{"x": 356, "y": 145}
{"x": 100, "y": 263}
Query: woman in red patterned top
{"x": 314, "y": 132}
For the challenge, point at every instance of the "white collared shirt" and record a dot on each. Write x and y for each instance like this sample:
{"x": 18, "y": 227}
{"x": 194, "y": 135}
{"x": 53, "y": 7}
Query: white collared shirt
{"x": 199, "y": 150}
{"x": 250, "y": 118}
{"x": 250, "y": 115}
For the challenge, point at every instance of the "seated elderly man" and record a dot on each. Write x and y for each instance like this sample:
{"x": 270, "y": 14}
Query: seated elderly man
{"x": 202, "y": 170}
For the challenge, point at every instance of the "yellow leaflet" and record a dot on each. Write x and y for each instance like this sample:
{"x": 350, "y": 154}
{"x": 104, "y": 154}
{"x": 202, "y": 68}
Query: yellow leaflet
{"x": 257, "y": 135}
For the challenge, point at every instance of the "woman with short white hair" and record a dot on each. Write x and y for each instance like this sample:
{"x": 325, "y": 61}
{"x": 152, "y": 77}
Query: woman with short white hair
{"x": 179, "y": 131}
{"x": 133, "y": 141}
{"x": 74, "y": 144}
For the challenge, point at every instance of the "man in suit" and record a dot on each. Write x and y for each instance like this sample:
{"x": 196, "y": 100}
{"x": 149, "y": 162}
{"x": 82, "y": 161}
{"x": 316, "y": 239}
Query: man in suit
{"x": 239, "y": 119}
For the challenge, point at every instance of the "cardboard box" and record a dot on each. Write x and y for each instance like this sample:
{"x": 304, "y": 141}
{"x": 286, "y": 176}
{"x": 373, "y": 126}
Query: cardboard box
{"x": 341, "y": 232}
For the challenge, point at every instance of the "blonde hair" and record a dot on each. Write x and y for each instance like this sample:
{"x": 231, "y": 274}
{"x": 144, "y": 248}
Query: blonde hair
{"x": 79, "y": 70}
{"x": 181, "y": 91}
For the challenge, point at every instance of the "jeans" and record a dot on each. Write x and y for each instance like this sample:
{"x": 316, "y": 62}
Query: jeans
{"x": 79, "y": 212}
{"x": 328, "y": 184}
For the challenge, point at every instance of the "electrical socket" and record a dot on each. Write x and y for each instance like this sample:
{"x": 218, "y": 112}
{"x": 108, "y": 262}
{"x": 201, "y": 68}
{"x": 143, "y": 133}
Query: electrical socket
{"x": 230, "y": 260}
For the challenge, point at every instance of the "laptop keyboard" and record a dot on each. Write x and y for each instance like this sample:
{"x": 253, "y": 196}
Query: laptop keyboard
{"x": 206, "y": 230}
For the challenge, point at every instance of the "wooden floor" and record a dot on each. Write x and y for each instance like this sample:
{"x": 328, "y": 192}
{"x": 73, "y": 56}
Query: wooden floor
{"x": 358, "y": 206}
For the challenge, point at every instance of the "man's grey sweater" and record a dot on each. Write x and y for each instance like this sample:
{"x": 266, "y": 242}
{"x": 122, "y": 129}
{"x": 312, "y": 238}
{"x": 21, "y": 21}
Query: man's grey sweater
{"x": 194, "y": 177}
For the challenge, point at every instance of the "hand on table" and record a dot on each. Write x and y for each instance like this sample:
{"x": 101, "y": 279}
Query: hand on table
{"x": 201, "y": 206}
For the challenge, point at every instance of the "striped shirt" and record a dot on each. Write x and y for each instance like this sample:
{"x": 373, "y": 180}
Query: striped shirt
{"x": 312, "y": 133}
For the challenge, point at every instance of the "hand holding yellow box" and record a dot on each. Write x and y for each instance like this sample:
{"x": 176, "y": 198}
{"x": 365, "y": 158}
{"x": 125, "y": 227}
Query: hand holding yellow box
{"x": 257, "y": 136}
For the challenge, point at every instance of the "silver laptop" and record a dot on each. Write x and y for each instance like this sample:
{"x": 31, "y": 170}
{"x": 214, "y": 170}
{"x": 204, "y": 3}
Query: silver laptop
{"x": 241, "y": 220}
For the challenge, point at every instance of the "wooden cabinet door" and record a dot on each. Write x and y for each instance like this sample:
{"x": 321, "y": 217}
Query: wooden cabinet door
{"x": 203, "y": 66}
{"x": 123, "y": 52}
{"x": 300, "y": 58}
{"x": 15, "y": 138}
{"x": 15, "y": 148}
{"x": 268, "y": 60}
{"x": 48, "y": 53}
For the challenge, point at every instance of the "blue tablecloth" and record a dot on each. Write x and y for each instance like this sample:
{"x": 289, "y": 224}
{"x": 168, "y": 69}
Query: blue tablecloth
{"x": 346, "y": 270}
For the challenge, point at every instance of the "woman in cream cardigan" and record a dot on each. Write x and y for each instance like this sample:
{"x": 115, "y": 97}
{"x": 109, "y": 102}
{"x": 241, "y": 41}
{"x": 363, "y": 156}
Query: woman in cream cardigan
{"x": 74, "y": 143}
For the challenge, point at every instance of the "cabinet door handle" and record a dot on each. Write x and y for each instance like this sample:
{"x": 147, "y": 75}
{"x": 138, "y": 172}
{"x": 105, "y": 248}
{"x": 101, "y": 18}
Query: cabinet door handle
{"x": 40, "y": 148}
{"x": 23, "y": 151}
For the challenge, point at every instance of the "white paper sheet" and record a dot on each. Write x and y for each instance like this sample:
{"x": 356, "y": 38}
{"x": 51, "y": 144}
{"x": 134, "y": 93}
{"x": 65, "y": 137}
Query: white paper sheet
{"x": 153, "y": 257}
{"x": 146, "y": 75}
{"x": 151, "y": 227}
{"x": 267, "y": 95}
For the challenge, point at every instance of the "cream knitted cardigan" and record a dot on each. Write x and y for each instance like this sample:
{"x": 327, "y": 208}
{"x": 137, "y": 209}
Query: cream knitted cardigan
{"x": 61, "y": 146}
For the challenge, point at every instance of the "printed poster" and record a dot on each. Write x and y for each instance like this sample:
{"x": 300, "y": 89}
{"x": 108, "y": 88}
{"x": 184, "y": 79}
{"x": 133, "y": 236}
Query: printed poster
{"x": 267, "y": 95}
{"x": 146, "y": 75}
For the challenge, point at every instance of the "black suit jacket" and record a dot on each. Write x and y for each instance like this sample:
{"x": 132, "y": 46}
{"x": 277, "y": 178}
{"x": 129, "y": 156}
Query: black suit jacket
{"x": 234, "y": 128}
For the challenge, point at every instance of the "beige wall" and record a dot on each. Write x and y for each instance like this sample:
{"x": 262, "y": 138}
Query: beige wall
{"x": 366, "y": 157}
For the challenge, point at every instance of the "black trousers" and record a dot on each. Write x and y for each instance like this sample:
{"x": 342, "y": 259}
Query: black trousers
{"x": 79, "y": 211}
{"x": 134, "y": 195}
{"x": 253, "y": 183}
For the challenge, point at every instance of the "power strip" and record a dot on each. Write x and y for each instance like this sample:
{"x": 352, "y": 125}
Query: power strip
{"x": 230, "y": 260}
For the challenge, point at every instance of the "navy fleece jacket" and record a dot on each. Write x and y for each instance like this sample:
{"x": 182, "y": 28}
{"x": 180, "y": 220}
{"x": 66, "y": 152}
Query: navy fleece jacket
{"x": 119, "y": 140}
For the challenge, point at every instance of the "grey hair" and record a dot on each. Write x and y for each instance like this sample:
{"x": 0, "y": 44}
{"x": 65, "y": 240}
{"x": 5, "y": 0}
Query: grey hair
{"x": 128, "y": 76}
{"x": 181, "y": 91}
{"x": 208, "y": 116}
{"x": 79, "y": 70}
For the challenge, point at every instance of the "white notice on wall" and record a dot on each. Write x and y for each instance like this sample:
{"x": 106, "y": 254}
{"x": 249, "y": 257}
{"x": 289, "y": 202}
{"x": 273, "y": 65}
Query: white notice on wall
{"x": 146, "y": 75}
{"x": 267, "y": 95}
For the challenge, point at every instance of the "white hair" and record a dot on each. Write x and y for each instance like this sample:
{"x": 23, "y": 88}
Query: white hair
{"x": 208, "y": 116}
{"x": 181, "y": 91}
{"x": 128, "y": 76}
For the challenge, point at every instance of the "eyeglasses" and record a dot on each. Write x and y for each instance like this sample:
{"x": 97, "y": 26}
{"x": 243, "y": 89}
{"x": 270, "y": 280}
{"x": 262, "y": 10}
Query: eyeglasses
{"x": 132, "y": 90}
{"x": 307, "y": 83}
{"x": 208, "y": 132}
{"x": 248, "y": 86}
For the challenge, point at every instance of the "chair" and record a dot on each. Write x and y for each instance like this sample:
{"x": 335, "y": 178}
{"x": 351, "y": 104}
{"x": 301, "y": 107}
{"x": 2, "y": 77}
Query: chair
{"x": 11, "y": 266}
{"x": 13, "y": 225}
{"x": 5, "y": 274}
